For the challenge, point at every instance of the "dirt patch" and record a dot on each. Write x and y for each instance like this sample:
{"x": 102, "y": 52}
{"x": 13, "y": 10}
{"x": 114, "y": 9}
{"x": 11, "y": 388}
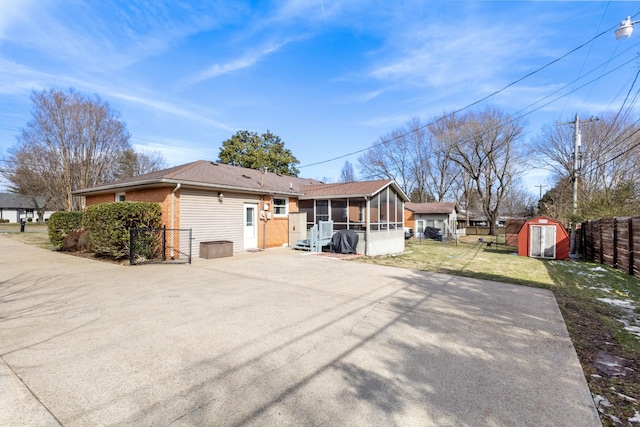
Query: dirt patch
{"x": 611, "y": 365}
{"x": 613, "y": 377}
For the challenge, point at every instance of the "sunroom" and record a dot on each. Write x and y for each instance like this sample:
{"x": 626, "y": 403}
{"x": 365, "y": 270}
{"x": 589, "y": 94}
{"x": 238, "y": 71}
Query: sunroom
{"x": 372, "y": 209}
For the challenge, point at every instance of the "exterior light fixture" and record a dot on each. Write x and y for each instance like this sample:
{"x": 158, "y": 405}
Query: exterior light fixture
{"x": 220, "y": 197}
{"x": 625, "y": 29}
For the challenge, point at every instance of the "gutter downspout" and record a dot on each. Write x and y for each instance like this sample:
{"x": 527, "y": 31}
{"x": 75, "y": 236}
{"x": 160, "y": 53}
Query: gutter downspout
{"x": 173, "y": 219}
{"x": 264, "y": 218}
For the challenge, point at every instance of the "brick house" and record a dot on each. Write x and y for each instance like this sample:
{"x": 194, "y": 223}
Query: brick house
{"x": 251, "y": 208}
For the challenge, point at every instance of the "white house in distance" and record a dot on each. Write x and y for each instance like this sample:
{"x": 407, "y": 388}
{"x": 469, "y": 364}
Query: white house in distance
{"x": 442, "y": 216}
{"x": 14, "y": 207}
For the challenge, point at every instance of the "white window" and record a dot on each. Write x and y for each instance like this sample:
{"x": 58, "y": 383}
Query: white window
{"x": 120, "y": 197}
{"x": 280, "y": 207}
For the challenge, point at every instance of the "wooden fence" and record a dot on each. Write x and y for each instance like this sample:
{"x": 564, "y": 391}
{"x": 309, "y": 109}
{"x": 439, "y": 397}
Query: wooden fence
{"x": 473, "y": 230}
{"x": 614, "y": 242}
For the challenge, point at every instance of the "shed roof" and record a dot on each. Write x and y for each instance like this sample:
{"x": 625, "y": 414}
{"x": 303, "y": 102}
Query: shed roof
{"x": 443, "y": 208}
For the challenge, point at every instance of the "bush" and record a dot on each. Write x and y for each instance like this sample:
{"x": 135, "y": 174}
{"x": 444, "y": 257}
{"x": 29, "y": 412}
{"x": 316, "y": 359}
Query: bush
{"x": 3, "y": 220}
{"x": 108, "y": 225}
{"x": 60, "y": 224}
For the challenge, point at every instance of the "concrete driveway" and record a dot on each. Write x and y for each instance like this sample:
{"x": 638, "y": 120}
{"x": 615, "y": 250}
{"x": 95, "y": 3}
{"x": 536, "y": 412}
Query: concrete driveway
{"x": 277, "y": 338}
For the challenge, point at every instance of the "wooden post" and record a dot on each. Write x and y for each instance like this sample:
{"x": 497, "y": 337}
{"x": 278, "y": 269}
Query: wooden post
{"x": 164, "y": 242}
{"x": 601, "y": 254}
{"x": 614, "y": 261}
{"x": 132, "y": 243}
{"x": 630, "y": 237}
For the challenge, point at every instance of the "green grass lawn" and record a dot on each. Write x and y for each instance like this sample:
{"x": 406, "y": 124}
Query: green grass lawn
{"x": 34, "y": 234}
{"x": 600, "y": 305}
{"x": 28, "y": 227}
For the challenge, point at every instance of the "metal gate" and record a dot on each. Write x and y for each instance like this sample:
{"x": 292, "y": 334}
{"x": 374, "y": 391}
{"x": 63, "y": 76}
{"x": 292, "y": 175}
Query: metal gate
{"x": 160, "y": 246}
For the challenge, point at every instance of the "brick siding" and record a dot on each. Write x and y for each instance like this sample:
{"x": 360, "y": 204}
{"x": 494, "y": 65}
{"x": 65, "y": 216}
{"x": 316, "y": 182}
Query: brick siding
{"x": 277, "y": 228}
{"x": 409, "y": 219}
{"x": 99, "y": 199}
{"x": 162, "y": 196}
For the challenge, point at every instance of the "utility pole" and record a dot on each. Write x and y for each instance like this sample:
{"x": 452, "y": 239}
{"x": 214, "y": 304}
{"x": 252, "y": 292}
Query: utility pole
{"x": 577, "y": 143}
{"x": 536, "y": 211}
{"x": 540, "y": 187}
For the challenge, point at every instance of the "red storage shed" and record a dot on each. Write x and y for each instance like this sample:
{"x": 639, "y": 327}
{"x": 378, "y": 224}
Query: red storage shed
{"x": 543, "y": 237}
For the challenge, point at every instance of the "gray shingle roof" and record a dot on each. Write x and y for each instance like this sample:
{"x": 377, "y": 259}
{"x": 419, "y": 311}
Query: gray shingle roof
{"x": 431, "y": 208}
{"x": 212, "y": 174}
{"x": 353, "y": 189}
{"x": 16, "y": 201}
{"x": 204, "y": 173}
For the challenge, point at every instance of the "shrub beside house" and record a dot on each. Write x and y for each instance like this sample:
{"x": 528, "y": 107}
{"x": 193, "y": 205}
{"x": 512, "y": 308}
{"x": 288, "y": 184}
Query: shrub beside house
{"x": 104, "y": 229}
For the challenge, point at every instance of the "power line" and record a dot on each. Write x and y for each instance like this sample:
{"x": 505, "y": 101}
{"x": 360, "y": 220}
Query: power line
{"x": 469, "y": 105}
{"x": 514, "y": 118}
{"x": 589, "y": 52}
{"x": 599, "y": 165}
{"x": 615, "y": 119}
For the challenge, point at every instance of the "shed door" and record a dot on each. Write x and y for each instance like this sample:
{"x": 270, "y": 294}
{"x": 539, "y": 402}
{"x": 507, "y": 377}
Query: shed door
{"x": 543, "y": 241}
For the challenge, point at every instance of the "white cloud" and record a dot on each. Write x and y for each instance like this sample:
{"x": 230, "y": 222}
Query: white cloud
{"x": 107, "y": 36}
{"x": 19, "y": 80}
{"x": 296, "y": 11}
{"x": 174, "y": 151}
{"x": 246, "y": 61}
{"x": 364, "y": 97}
{"x": 387, "y": 121}
{"x": 432, "y": 57}
{"x": 13, "y": 14}
{"x": 192, "y": 113}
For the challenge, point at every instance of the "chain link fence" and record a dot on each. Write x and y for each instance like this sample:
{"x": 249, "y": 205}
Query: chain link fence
{"x": 160, "y": 246}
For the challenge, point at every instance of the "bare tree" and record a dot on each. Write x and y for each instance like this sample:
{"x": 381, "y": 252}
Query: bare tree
{"x": 416, "y": 138}
{"x": 27, "y": 174}
{"x": 347, "y": 174}
{"x": 557, "y": 202}
{"x": 464, "y": 193}
{"x": 609, "y": 158}
{"x": 389, "y": 158}
{"x": 518, "y": 202}
{"x": 485, "y": 146}
{"x": 413, "y": 157}
{"x": 434, "y": 171}
{"x": 73, "y": 141}
{"x": 136, "y": 163}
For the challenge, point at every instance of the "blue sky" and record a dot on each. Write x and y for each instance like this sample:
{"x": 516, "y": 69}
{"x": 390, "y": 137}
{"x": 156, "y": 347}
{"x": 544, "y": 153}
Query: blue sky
{"x": 328, "y": 77}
